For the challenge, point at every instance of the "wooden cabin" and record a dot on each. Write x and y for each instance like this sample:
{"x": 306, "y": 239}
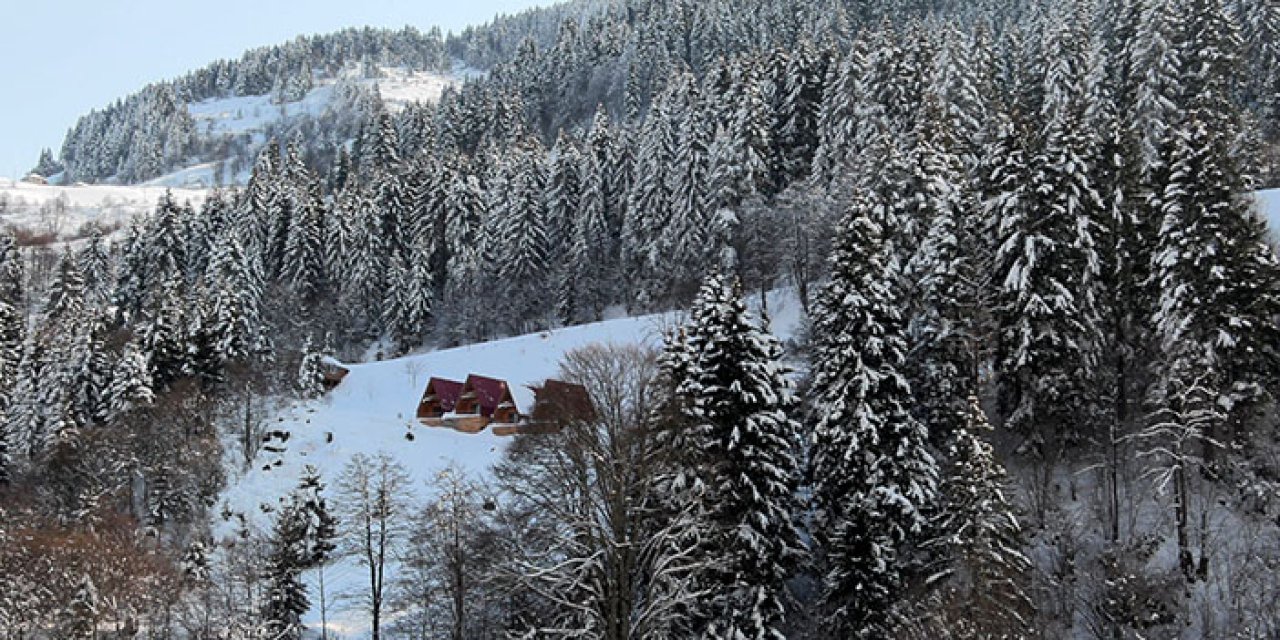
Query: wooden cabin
{"x": 561, "y": 403}
{"x": 482, "y": 401}
{"x": 440, "y": 397}
{"x": 332, "y": 373}
{"x": 556, "y": 403}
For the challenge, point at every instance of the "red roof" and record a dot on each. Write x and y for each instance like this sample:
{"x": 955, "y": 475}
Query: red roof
{"x": 490, "y": 392}
{"x": 446, "y": 391}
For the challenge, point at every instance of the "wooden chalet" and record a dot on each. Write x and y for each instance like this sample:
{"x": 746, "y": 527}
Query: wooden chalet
{"x": 556, "y": 404}
{"x": 440, "y": 398}
{"x": 332, "y": 373}
{"x": 482, "y": 401}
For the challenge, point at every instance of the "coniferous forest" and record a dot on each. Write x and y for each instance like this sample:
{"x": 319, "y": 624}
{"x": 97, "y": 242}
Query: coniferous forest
{"x": 1034, "y": 395}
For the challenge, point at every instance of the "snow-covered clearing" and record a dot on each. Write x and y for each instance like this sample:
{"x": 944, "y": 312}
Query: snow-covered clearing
{"x": 249, "y": 114}
{"x": 62, "y": 211}
{"x": 400, "y": 87}
{"x": 372, "y": 410}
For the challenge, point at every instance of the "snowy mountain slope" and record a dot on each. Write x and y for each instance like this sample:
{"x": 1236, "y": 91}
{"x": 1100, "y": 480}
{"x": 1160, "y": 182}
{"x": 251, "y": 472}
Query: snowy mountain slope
{"x": 64, "y": 210}
{"x": 251, "y": 114}
{"x": 255, "y": 118}
{"x": 373, "y": 409}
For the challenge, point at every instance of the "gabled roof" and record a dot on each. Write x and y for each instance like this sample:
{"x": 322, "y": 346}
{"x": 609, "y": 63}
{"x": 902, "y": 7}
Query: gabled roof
{"x": 446, "y": 392}
{"x": 490, "y": 392}
{"x": 559, "y": 401}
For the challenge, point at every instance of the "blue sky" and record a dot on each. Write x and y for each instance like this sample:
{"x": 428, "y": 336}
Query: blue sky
{"x": 62, "y": 58}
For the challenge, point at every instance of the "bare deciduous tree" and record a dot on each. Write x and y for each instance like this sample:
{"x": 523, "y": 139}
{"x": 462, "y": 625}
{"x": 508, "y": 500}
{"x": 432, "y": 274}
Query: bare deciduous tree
{"x": 590, "y": 557}
{"x": 374, "y": 498}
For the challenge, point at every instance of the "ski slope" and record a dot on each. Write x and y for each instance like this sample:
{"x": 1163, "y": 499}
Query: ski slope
{"x": 373, "y": 409}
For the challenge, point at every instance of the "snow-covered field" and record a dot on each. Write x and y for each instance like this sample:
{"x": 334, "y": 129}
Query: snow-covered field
{"x": 64, "y": 210}
{"x": 373, "y": 409}
{"x": 251, "y": 114}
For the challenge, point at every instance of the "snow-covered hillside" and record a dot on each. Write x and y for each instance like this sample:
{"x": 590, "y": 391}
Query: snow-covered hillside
{"x": 62, "y": 211}
{"x": 253, "y": 117}
{"x": 372, "y": 411}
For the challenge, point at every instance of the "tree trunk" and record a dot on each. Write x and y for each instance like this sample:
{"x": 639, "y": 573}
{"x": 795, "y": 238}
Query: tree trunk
{"x": 1185, "y": 561}
{"x": 459, "y": 575}
{"x": 1118, "y": 421}
{"x": 324, "y": 607}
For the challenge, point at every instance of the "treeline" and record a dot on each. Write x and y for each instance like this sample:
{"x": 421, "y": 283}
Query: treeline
{"x": 150, "y": 132}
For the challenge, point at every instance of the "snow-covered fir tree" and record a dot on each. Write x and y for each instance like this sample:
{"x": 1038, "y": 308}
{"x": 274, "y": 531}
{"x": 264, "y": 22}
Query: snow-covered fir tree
{"x": 1047, "y": 265}
{"x": 738, "y": 400}
{"x": 980, "y": 571}
{"x": 874, "y": 479}
{"x": 286, "y": 597}
{"x": 310, "y": 373}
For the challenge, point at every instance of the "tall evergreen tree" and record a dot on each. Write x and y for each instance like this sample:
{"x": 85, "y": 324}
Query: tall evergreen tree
{"x": 738, "y": 399}
{"x": 286, "y": 595}
{"x": 681, "y": 250}
{"x": 873, "y": 478}
{"x": 523, "y": 266}
{"x": 589, "y": 250}
{"x": 981, "y": 571}
{"x": 564, "y": 195}
{"x": 945, "y": 327}
{"x": 1048, "y": 265}
{"x": 303, "y": 265}
{"x": 647, "y": 202}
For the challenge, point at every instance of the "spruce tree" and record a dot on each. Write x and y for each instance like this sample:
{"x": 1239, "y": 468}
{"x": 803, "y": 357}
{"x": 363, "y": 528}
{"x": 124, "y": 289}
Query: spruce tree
{"x": 1219, "y": 280}
{"x": 310, "y": 375}
{"x": 564, "y": 194}
{"x": 12, "y": 271}
{"x": 589, "y": 246}
{"x": 130, "y": 386}
{"x": 407, "y": 306}
{"x": 681, "y": 250}
{"x": 945, "y": 328}
{"x": 1047, "y": 264}
{"x": 165, "y": 333}
{"x": 981, "y": 571}
{"x": 83, "y": 611}
{"x": 523, "y": 260}
{"x": 303, "y": 266}
{"x": 738, "y": 399}
{"x": 647, "y": 204}
{"x": 232, "y": 303}
{"x": 873, "y": 479}
{"x": 286, "y": 596}
{"x": 463, "y": 292}
{"x": 95, "y": 266}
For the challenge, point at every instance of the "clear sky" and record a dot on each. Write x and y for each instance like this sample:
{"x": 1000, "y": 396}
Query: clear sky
{"x": 61, "y": 58}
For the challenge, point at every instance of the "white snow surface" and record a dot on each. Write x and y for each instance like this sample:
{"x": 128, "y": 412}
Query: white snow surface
{"x": 252, "y": 116}
{"x": 1269, "y": 207}
{"x": 400, "y": 87}
{"x": 64, "y": 210}
{"x": 373, "y": 409}
{"x": 248, "y": 114}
